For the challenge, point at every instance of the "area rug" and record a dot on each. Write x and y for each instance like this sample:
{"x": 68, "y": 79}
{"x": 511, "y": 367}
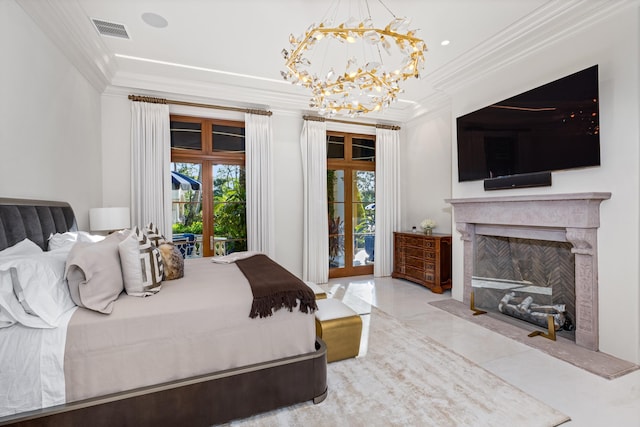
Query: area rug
{"x": 596, "y": 362}
{"x": 408, "y": 380}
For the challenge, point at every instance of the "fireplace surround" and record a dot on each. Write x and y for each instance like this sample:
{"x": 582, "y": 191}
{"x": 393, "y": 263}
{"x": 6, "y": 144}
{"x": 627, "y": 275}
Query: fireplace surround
{"x": 572, "y": 218}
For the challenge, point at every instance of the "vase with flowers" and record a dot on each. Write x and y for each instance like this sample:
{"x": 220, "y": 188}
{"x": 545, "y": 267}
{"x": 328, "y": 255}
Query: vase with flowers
{"x": 427, "y": 226}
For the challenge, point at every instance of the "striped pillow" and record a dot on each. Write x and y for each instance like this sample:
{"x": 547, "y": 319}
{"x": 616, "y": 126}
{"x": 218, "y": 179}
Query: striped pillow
{"x": 142, "y": 267}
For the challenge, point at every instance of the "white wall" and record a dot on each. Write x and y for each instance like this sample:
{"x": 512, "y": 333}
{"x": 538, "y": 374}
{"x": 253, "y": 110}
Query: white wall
{"x": 49, "y": 120}
{"x": 426, "y": 170}
{"x": 287, "y": 182}
{"x": 116, "y": 150}
{"x": 613, "y": 45}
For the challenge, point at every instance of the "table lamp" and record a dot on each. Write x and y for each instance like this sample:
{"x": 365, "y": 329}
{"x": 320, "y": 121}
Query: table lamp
{"x": 109, "y": 219}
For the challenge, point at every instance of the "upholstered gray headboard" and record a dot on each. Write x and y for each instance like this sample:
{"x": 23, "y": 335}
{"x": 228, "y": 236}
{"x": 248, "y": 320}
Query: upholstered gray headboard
{"x": 33, "y": 219}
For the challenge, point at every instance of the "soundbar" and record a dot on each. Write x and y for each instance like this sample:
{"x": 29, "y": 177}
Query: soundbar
{"x": 538, "y": 179}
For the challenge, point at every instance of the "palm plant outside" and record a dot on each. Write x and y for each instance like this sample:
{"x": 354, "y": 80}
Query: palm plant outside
{"x": 229, "y": 205}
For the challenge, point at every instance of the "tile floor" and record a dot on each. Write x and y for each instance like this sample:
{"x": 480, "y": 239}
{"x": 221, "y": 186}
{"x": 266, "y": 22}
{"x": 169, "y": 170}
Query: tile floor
{"x": 588, "y": 399}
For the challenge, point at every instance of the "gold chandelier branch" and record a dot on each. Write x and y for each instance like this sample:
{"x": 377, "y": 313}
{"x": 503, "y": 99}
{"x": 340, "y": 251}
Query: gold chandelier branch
{"x": 364, "y": 86}
{"x": 360, "y": 30}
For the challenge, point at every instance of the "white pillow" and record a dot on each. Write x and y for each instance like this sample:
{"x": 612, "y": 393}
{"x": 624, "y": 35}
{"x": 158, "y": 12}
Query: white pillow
{"x": 24, "y": 247}
{"x": 70, "y": 238}
{"x": 62, "y": 240}
{"x": 5, "y": 319}
{"x": 11, "y": 307}
{"x": 94, "y": 274}
{"x": 33, "y": 290}
{"x": 142, "y": 268}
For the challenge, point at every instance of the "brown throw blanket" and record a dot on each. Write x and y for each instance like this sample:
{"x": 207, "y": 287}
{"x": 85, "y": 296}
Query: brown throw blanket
{"x": 274, "y": 287}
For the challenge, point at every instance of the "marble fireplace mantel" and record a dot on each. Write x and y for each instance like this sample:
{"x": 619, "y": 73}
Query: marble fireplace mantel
{"x": 572, "y": 218}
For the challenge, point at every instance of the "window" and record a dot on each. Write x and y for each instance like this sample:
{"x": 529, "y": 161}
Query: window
{"x": 351, "y": 203}
{"x": 208, "y": 186}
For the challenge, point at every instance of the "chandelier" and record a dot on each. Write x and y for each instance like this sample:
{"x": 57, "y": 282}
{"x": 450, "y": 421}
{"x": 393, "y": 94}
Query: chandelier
{"x": 374, "y": 62}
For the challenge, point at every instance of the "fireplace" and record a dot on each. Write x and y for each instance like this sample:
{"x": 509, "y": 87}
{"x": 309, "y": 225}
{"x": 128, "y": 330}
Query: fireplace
{"x": 527, "y": 279}
{"x": 569, "y": 220}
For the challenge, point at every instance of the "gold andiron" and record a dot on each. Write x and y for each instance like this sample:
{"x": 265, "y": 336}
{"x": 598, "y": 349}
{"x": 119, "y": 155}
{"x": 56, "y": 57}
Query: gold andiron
{"x": 551, "y": 334}
{"x": 472, "y": 306}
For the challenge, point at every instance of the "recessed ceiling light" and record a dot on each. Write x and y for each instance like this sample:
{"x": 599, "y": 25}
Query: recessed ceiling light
{"x": 154, "y": 20}
{"x": 445, "y": 42}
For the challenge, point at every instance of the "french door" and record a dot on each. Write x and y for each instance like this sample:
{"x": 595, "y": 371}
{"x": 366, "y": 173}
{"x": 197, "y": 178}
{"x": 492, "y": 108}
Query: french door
{"x": 208, "y": 186}
{"x": 351, "y": 203}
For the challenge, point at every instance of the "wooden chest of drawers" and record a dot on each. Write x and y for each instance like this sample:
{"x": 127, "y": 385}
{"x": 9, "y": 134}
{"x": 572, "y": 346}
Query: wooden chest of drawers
{"x": 423, "y": 259}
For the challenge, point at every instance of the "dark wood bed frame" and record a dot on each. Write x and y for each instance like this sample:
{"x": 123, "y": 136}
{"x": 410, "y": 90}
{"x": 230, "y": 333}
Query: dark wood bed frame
{"x": 198, "y": 401}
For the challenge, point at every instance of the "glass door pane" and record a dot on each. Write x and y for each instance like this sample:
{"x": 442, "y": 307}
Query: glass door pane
{"x": 229, "y": 209}
{"x": 186, "y": 195}
{"x": 336, "y": 205}
{"x": 364, "y": 216}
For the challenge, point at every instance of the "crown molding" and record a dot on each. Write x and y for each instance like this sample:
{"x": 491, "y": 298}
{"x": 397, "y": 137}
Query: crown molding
{"x": 553, "y": 21}
{"x": 440, "y": 104}
{"x": 235, "y": 94}
{"x": 434, "y": 102}
{"x": 66, "y": 24}
{"x": 185, "y": 88}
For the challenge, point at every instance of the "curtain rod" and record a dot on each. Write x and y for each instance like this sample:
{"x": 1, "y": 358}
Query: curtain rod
{"x": 323, "y": 119}
{"x": 152, "y": 100}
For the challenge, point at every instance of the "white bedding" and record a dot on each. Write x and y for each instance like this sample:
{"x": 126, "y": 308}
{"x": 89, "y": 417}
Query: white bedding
{"x": 33, "y": 378}
{"x": 35, "y": 310}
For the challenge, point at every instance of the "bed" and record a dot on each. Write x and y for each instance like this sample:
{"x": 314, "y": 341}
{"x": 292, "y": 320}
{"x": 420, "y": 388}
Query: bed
{"x": 175, "y": 364}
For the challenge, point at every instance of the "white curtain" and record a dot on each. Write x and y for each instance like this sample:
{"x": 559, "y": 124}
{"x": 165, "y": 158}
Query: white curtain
{"x": 387, "y": 198}
{"x": 260, "y": 228}
{"x": 315, "y": 252}
{"x": 150, "y": 166}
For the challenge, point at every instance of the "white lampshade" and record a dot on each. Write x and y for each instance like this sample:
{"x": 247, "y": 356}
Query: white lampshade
{"x": 109, "y": 219}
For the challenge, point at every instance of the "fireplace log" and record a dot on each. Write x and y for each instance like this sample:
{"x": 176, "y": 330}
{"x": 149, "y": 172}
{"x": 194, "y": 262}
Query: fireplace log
{"x": 525, "y": 309}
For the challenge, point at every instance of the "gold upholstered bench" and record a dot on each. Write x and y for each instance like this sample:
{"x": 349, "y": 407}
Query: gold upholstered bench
{"x": 320, "y": 293}
{"x": 339, "y": 327}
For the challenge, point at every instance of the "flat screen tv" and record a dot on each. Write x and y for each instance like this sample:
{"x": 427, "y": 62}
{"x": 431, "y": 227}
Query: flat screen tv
{"x": 552, "y": 127}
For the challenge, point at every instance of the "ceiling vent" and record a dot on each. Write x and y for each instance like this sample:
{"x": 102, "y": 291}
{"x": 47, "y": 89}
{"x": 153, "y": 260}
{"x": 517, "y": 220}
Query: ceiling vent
{"x": 110, "y": 29}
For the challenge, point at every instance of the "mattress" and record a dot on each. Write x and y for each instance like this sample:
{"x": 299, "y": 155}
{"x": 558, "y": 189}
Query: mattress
{"x": 195, "y": 325}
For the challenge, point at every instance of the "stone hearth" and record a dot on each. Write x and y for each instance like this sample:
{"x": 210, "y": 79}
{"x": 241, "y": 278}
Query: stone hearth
{"x": 572, "y": 218}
